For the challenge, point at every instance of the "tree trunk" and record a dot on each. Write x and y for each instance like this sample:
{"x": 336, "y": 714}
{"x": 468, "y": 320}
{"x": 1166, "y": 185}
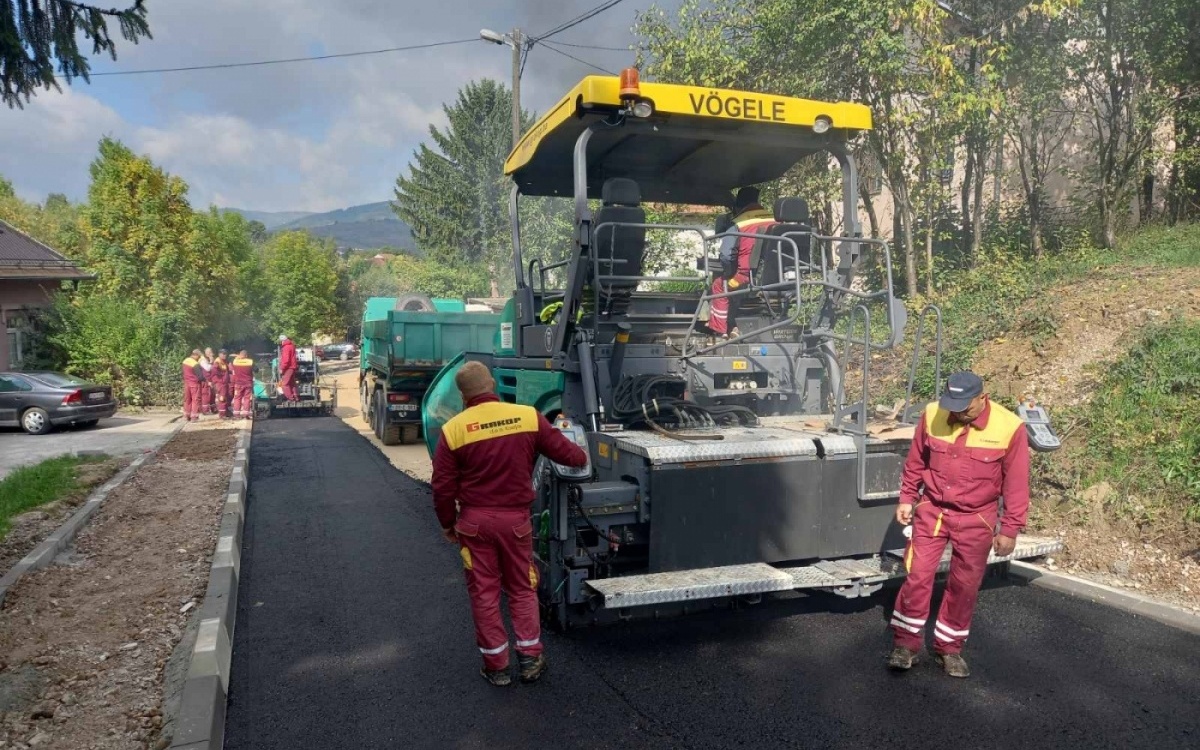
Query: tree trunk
{"x": 977, "y": 210}
{"x": 929, "y": 230}
{"x": 904, "y": 212}
{"x": 869, "y": 207}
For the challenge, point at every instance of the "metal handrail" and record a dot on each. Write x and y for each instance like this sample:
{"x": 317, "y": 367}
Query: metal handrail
{"x": 840, "y": 408}
{"x": 937, "y": 357}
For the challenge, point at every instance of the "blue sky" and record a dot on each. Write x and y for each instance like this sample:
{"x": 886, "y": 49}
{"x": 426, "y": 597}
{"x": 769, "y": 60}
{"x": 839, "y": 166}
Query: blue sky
{"x": 309, "y": 136}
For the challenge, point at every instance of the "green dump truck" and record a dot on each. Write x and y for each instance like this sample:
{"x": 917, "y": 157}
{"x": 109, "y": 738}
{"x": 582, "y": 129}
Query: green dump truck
{"x": 405, "y": 342}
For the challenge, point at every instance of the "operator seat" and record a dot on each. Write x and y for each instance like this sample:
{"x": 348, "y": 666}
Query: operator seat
{"x": 791, "y": 216}
{"x": 621, "y": 200}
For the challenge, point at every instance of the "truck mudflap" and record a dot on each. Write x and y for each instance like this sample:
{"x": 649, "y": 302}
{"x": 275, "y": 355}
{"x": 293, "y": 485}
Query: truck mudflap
{"x": 849, "y": 577}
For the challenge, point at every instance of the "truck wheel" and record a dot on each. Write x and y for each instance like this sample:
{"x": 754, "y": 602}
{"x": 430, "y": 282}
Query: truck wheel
{"x": 389, "y": 434}
{"x": 415, "y": 303}
{"x": 378, "y": 414}
{"x": 410, "y": 433}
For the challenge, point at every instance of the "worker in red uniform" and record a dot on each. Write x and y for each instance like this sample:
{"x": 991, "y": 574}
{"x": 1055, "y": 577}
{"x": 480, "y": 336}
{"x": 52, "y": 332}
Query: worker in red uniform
{"x": 484, "y": 461}
{"x": 193, "y": 380}
{"x": 206, "y": 388}
{"x": 242, "y": 379}
{"x": 220, "y": 381}
{"x": 748, "y": 215}
{"x": 287, "y": 369}
{"x": 966, "y": 453}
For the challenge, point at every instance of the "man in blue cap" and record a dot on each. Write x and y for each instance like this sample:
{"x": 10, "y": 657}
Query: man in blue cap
{"x": 966, "y": 453}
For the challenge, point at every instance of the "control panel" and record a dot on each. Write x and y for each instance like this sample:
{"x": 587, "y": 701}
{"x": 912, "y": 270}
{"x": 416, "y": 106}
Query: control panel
{"x": 576, "y": 434}
{"x": 1037, "y": 424}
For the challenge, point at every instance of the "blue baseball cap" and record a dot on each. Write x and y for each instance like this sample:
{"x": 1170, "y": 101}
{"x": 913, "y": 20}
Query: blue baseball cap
{"x": 961, "y": 390}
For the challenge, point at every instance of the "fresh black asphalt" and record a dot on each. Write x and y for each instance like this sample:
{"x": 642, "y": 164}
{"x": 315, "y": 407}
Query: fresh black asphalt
{"x": 353, "y": 632}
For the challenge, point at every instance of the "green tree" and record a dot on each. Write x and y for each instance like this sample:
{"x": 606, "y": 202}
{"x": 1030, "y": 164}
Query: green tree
{"x": 454, "y": 196}
{"x": 38, "y": 36}
{"x": 302, "y": 279}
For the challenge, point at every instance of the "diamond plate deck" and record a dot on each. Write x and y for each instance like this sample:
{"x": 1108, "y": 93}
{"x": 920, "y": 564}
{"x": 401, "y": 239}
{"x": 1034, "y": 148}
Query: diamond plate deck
{"x": 685, "y": 585}
{"x": 760, "y": 578}
{"x": 739, "y": 443}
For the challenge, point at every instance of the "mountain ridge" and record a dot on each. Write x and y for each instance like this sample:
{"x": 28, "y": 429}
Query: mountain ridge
{"x": 368, "y": 226}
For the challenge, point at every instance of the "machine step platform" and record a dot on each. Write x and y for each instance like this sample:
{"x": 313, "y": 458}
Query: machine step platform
{"x": 848, "y": 577}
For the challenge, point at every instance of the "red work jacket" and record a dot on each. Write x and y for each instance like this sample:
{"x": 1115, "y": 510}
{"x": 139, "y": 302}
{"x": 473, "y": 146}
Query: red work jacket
{"x": 966, "y": 468}
{"x": 242, "y": 369}
{"x": 287, "y": 356}
{"x": 192, "y": 372}
{"x": 220, "y": 372}
{"x": 484, "y": 458}
{"x": 748, "y": 221}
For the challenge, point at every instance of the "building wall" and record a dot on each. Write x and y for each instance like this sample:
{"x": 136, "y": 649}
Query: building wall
{"x": 17, "y": 296}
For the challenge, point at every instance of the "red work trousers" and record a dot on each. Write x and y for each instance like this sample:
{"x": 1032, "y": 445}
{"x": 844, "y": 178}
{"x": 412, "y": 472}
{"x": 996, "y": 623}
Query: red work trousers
{"x": 970, "y": 536}
{"x": 287, "y": 384}
{"x": 497, "y": 553}
{"x": 243, "y": 400}
{"x": 718, "y": 321}
{"x": 222, "y": 393}
{"x": 206, "y": 397}
{"x": 191, "y": 399}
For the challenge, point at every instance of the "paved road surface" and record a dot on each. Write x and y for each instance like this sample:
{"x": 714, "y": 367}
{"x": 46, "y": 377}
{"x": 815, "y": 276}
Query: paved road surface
{"x": 119, "y": 435}
{"x": 353, "y": 632}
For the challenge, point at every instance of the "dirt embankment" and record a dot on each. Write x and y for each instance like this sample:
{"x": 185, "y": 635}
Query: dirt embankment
{"x": 1068, "y": 334}
{"x": 1058, "y": 355}
{"x": 85, "y": 643}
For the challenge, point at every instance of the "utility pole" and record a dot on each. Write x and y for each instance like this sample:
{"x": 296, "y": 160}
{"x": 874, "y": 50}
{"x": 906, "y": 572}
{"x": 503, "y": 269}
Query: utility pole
{"x": 515, "y": 40}
{"x": 517, "y": 46}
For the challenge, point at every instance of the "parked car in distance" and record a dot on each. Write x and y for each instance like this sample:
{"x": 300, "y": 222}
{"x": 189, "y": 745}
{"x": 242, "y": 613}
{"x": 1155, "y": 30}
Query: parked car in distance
{"x": 39, "y": 401}
{"x": 343, "y": 351}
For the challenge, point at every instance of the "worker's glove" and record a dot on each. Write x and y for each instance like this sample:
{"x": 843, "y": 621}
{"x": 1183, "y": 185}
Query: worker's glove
{"x": 1004, "y": 545}
{"x": 904, "y": 514}
{"x": 733, "y": 284}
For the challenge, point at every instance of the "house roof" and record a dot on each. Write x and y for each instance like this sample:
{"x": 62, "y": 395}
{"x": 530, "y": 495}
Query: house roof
{"x": 23, "y": 257}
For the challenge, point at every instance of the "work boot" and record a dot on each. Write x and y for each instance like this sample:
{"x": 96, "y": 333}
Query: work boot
{"x": 499, "y": 678}
{"x": 954, "y": 664}
{"x": 902, "y": 659}
{"x": 532, "y": 667}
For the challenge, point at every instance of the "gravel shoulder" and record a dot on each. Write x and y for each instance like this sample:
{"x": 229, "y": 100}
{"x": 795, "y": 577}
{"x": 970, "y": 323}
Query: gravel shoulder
{"x": 85, "y": 643}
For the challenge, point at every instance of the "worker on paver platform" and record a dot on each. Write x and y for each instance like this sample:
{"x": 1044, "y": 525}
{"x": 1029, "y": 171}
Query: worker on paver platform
{"x": 287, "y": 369}
{"x": 748, "y": 215}
{"x": 206, "y": 389}
{"x": 967, "y": 452}
{"x": 220, "y": 381}
{"x": 484, "y": 461}
{"x": 193, "y": 380}
{"x": 242, "y": 379}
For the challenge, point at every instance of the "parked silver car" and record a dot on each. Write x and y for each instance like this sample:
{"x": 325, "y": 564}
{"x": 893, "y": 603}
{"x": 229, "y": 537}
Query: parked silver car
{"x": 38, "y": 401}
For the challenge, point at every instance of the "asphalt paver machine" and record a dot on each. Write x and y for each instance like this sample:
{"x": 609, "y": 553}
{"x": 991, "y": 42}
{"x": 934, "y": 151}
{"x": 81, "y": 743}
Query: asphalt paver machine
{"x": 317, "y": 397}
{"x": 720, "y": 468}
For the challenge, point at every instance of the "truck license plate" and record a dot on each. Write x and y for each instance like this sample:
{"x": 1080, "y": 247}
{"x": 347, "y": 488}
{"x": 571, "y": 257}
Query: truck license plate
{"x": 404, "y": 407}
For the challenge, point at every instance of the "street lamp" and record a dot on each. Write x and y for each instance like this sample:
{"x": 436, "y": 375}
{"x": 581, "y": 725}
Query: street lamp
{"x": 515, "y": 41}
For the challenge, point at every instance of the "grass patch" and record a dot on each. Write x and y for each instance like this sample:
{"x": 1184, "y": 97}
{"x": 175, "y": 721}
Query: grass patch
{"x": 1143, "y": 428}
{"x": 45, "y": 482}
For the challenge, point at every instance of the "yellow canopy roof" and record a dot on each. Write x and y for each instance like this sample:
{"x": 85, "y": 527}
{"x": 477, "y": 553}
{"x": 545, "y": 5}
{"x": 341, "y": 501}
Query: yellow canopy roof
{"x": 700, "y": 143}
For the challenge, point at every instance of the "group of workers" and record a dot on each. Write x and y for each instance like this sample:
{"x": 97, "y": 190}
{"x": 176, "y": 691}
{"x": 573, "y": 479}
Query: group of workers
{"x": 966, "y": 454}
{"x": 224, "y": 387}
{"x": 218, "y": 385}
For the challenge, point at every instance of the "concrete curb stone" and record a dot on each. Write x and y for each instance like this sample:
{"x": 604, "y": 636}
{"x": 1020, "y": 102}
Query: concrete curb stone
{"x": 200, "y": 724}
{"x": 64, "y": 535}
{"x": 1136, "y": 604}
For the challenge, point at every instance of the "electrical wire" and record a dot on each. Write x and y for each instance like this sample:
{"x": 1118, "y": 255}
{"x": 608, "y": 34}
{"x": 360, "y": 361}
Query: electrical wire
{"x": 258, "y": 63}
{"x": 587, "y": 14}
{"x": 548, "y": 46}
{"x": 594, "y": 46}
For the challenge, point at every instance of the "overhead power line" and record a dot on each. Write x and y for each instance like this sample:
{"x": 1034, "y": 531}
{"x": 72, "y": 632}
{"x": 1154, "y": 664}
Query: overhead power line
{"x": 593, "y": 46}
{"x": 578, "y": 19}
{"x": 257, "y": 63}
{"x": 549, "y": 46}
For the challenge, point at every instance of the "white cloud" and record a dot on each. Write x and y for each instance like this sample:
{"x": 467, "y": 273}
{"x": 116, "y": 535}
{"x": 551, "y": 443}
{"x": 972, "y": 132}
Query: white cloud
{"x": 308, "y": 136}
